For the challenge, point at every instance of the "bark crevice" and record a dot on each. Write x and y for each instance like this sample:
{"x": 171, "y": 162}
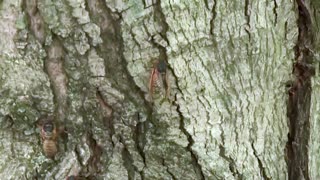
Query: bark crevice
{"x": 222, "y": 153}
{"x": 247, "y": 13}
{"x": 53, "y": 64}
{"x": 262, "y": 169}
{"x": 168, "y": 171}
{"x": 214, "y": 14}
{"x": 275, "y": 11}
{"x": 195, "y": 161}
{"x": 300, "y": 99}
{"x": 128, "y": 161}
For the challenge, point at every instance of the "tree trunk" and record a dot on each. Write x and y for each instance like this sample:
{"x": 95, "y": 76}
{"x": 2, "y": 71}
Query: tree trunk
{"x": 234, "y": 91}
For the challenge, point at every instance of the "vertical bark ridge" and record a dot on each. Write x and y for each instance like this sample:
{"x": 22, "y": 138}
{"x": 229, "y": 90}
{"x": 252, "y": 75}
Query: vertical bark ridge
{"x": 300, "y": 99}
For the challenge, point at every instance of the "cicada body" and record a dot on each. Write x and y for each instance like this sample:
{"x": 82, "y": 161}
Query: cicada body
{"x": 158, "y": 83}
{"x": 49, "y": 139}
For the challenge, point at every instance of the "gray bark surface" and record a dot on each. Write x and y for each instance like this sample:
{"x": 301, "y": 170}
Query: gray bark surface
{"x": 228, "y": 114}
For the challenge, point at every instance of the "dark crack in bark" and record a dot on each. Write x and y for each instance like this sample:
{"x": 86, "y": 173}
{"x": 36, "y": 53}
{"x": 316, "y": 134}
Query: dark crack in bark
{"x": 107, "y": 113}
{"x": 161, "y": 19}
{"x": 206, "y": 4}
{"x": 300, "y": 99}
{"x": 94, "y": 162}
{"x": 78, "y": 156}
{"x": 247, "y": 14}
{"x": 111, "y": 50}
{"x": 262, "y": 169}
{"x": 222, "y": 153}
{"x": 7, "y": 122}
{"x": 134, "y": 39}
{"x": 195, "y": 162}
{"x": 168, "y": 171}
{"x": 128, "y": 161}
{"x": 214, "y": 14}
{"x": 275, "y": 12}
{"x": 145, "y": 5}
{"x": 140, "y": 138}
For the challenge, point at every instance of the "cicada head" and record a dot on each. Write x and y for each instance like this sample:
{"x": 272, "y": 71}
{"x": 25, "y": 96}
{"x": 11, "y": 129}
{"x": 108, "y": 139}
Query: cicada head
{"x": 48, "y": 130}
{"x": 161, "y": 66}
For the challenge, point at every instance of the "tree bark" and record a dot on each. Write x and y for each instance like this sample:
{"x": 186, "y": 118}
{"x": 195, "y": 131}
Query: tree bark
{"x": 241, "y": 77}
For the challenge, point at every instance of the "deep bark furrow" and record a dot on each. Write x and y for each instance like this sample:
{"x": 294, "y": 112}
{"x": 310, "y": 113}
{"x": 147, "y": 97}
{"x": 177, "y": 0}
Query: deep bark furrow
{"x": 140, "y": 139}
{"x": 195, "y": 161}
{"x": 300, "y": 99}
{"x": 94, "y": 162}
{"x": 214, "y": 14}
{"x": 159, "y": 16}
{"x": 55, "y": 69}
{"x": 53, "y": 65}
{"x": 206, "y": 4}
{"x": 168, "y": 171}
{"x": 117, "y": 73}
{"x": 222, "y": 153}
{"x": 134, "y": 39}
{"x": 247, "y": 14}
{"x": 171, "y": 175}
{"x": 128, "y": 161}
{"x": 262, "y": 169}
{"x": 275, "y": 11}
{"x": 232, "y": 167}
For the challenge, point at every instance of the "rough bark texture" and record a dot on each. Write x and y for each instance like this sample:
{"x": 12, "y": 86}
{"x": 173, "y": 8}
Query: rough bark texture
{"x": 228, "y": 115}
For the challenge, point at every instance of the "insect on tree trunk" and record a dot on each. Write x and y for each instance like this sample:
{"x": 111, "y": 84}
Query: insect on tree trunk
{"x": 159, "y": 89}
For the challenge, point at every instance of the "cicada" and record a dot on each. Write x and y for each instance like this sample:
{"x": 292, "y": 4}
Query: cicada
{"x": 158, "y": 83}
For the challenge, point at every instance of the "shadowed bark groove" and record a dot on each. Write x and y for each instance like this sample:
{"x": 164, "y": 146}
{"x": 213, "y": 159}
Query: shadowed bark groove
{"x": 300, "y": 99}
{"x": 195, "y": 162}
{"x": 247, "y": 14}
{"x": 140, "y": 141}
{"x": 53, "y": 65}
{"x": 168, "y": 170}
{"x": 262, "y": 169}
{"x": 94, "y": 164}
{"x": 54, "y": 68}
{"x": 116, "y": 71}
{"x": 222, "y": 153}
{"x": 275, "y": 11}
{"x": 128, "y": 161}
{"x": 214, "y": 14}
